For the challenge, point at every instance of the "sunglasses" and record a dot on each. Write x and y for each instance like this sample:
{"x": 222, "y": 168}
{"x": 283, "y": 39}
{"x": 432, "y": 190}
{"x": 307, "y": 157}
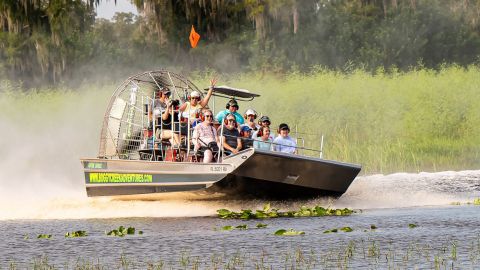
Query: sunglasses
{"x": 197, "y": 98}
{"x": 231, "y": 120}
{"x": 251, "y": 115}
{"x": 208, "y": 115}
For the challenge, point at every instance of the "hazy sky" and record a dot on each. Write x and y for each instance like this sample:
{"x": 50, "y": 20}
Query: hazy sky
{"x": 107, "y": 8}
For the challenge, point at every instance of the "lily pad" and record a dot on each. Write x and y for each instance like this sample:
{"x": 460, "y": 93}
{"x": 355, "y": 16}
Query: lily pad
{"x": 76, "y": 234}
{"x": 346, "y": 229}
{"x": 227, "y": 228}
{"x": 122, "y": 231}
{"x": 268, "y": 212}
{"x": 373, "y": 227}
{"x": 411, "y": 225}
{"x": 289, "y": 232}
{"x": 242, "y": 227}
{"x": 44, "y": 236}
{"x": 261, "y": 226}
{"x": 331, "y": 231}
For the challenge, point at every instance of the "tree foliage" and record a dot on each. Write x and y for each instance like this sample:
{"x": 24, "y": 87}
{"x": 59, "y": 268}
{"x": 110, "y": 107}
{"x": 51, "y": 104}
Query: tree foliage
{"x": 47, "y": 41}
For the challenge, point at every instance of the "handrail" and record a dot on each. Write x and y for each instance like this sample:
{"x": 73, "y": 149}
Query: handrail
{"x": 296, "y": 147}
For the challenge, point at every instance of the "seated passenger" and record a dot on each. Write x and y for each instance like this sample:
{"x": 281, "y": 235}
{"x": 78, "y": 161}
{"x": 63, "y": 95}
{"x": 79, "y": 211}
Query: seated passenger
{"x": 246, "y": 137}
{"x": 160, "y": 102}
{"x": 264, "y": 121}
{"x": 263, "y": 141}
{"x": 232, "y": 107}
{"x": 191, "y": 109}
{"x": 165, "y": 129}
{"x": 205, "y": 137}
{"x": 250, "y": 116}
{"x": 230, "y": 137}
{"x": 283, "y": 142}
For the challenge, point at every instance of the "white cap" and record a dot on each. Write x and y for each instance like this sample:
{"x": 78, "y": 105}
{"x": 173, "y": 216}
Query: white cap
{"x": 194, "y": 94}
{"x": 250, "y": 112}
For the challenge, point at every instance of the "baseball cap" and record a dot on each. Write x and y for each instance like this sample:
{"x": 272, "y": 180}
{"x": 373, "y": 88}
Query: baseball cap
{"x": 283, "y": 126}
{"x": 250, "y": 112}
{"x": 195, "y": 94}
{"x": 245, "y": 128}
{"x": 264, "y": 119}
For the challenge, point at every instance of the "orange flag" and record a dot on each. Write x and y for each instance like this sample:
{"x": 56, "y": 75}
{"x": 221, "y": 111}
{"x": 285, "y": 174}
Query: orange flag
{"x": 194, "y": 37}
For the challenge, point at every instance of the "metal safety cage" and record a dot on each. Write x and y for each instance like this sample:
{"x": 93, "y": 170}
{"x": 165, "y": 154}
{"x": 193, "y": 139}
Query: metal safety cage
{"x": 127, "y": 116}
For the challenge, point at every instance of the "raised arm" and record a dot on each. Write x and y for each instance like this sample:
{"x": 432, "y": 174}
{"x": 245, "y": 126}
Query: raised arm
{"x": 205, "y": 100}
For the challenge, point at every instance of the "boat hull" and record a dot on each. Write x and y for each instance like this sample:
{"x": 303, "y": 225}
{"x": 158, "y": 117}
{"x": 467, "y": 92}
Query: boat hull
{"x": 249, "y": 174}
{"x": 275, "y": 175}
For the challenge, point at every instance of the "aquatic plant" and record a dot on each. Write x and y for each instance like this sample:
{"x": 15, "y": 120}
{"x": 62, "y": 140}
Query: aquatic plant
{"x": 373, "y": 227}
{"x": 44, "y": 236}
{"x": 76, "y": 234}
{"x": 346, "y": 229}
{"x": 412, "y": 225}
{"x": 242, "y": 227}
{"x": 289, "y": 232}
{"x": 121, "y": 231}
{"x": 354, "y": 254}
{"x": 261, "y": 226}
{"x": 268, "y": 212}
{"x": 476, "y": 201}
{"x": 343, "y": 229}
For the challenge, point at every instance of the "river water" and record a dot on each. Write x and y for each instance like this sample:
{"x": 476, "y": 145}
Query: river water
{"x": 185, "y": 234}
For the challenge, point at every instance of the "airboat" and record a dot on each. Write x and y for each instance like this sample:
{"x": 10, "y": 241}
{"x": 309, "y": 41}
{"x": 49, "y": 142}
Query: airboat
{"x": 132, "y": 162}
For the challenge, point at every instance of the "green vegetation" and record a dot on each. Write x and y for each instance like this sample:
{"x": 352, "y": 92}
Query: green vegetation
{"x": 47, "y": 41}
{"x": 421, "y": 120}
{"x": 121, "y": 231}
{"x": 355, "y": 254}
{"x": 76, "y": 234}
{"x": 412, "y": 225}
{"x": 268, "y": 212}
{"x": 243, "y": 227}
{"x": 44, "y": 236}
{"x": 343, "y": 229}
{"x": 289, "y": 232}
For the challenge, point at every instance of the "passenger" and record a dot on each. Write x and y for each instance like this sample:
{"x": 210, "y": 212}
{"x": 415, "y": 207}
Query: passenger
{"x": 205, "y": 138}
{"x": 232, "y": 107}
{"x": 246, "y": 136}
{"x": 283, "y": 142}
{"x": 165, "y": 132}
{"x": 263, "y": 141}
{"x": 160, "y": 102}
{"x": 250, "y": 116}
{"x": 230, "y": 137}
{"x": 191, "y": 109}
{"x": 264, "y": 121}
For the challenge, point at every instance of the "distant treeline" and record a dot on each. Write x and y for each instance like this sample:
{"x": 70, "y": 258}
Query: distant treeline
{"x": 52, "y": 41}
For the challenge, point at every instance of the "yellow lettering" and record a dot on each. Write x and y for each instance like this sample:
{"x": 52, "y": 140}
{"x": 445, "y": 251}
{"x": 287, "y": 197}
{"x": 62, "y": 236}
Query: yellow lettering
{"x": 120, "y": 178}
